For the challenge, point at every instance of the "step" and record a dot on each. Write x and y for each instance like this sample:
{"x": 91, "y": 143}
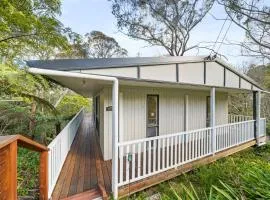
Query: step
{"x": 93, "y": 194}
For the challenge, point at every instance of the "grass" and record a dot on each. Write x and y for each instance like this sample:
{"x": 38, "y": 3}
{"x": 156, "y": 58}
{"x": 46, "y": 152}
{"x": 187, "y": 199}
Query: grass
{"x": 245, "y": 175}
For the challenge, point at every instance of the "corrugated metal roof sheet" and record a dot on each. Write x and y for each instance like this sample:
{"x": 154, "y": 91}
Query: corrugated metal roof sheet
{"x": 96, "y": 63}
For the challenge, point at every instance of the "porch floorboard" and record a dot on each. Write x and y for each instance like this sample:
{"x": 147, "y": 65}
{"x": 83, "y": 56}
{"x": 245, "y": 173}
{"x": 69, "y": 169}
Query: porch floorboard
{"x": 84, "y": 168}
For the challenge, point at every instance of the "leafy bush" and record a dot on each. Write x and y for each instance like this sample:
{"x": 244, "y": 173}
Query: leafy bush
{"x": 28, "y": 172}
{"x": 268, "y": 128}
{"x": 72, "y": 103}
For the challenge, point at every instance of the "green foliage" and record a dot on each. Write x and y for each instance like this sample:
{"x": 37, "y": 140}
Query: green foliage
{"x": 72, "y": 103}
{"x": 93, "y": 45}
{"x": 17, "y": 83}
{"x": 100, "y": 45}
{"x": 30, "y": 26}
{"x": 27, "y": 105}
{"x": 28, "y": 171}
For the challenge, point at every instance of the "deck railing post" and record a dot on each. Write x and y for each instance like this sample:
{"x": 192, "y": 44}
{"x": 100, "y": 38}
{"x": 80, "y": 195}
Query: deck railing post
{"x": 115, "y": 136}
{"x": 43, "y": 175}
{"x": 213, "y": 118}
{"x": 12, "y": 172}
{"x": 256, "y": 114}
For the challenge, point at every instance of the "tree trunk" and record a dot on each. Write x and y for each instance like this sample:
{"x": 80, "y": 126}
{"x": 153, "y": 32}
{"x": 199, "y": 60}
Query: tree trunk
{"x": 32, "y": 122}
{"x": 58, "y": 127}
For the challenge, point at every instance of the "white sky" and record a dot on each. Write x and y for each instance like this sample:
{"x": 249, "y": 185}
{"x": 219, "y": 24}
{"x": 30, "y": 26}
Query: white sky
{"x": 83, "y": 16}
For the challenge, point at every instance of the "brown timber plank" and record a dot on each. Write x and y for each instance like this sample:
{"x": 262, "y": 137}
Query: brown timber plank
{"x": 82, "y": 163}
{"x": 84, "y": 167}
{"x": 67, "y": 182}
{"x": 91, "y": 194}
{"x": 93, "y": 171}
{"x": 100, "y": 178}
{"x": 58, "y": 187}
{"x": 78, "y": 174}
{"x": 87, "y": 173}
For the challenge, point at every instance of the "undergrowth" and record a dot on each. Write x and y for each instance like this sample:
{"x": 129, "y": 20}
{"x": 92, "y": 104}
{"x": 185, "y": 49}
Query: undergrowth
{"x": 28, "y": 173}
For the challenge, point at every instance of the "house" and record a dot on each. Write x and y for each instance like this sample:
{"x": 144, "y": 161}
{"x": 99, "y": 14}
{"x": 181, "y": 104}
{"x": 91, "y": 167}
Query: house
{"x": 156, "y": 117}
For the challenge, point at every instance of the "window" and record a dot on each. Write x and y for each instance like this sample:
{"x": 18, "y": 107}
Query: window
{"x": 208, "y": 111}
{"x": 97, "y": 112}
{"x": 152, "y": 115}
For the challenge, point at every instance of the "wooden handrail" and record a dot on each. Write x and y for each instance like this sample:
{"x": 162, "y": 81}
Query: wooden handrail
{"x": 8, "y": 165}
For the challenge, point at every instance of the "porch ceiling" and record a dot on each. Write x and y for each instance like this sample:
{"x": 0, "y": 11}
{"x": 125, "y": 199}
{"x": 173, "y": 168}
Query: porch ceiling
{"x": 82, "y": 86}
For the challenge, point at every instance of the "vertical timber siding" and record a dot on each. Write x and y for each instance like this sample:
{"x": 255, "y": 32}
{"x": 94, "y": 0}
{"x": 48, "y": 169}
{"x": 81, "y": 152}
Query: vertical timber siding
{"x": 171, "y": 112}
{"x": 221, "y": 108}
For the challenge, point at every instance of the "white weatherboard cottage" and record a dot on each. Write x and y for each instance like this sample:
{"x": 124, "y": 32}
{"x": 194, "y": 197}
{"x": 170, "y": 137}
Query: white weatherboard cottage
{"x": 154, "y": 114}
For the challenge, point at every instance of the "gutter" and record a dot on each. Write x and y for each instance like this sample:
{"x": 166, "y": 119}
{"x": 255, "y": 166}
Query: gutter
{"x": 70, "y": 74}
{"x": 115, "y": 116}
{"x": 266, "y": 92}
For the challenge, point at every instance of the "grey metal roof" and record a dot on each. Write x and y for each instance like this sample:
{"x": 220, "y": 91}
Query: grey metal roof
{"x": 97, "y": 63}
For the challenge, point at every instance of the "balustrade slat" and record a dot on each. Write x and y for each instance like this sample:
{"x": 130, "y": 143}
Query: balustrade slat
{"x": 154, "y": 156}
{"x": 175, "y": 150}
{"x": 179, "y": 149}
{"x": 149, "y": 157}
{"x": 171, "y": 154}
{"x": 127, "y": 164}
{"x": 196, "y": 145}
{"x": 133, "y": 161}
{"x": 139, "y": 160}
{"x": 159, "y": 149}
{"x": 167, "y": 152}
{"x": 144, "y": 158}
{"x": 121, "y": 164}
{"x": 163, "y": 153}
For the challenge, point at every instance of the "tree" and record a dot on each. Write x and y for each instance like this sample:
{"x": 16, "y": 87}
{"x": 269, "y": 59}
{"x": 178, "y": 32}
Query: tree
{"x": 30, "y": 25}
{"x": 93, "y": 45}
{"x": 253, "y": 17}
{"x": 165, "y": 23}
{"x": 99, "y": 45}
{"x": 77, "y": 47}
{"x": 242, "y": 103}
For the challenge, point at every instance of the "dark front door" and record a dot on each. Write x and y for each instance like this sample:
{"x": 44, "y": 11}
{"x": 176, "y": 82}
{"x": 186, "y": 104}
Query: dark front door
{"x": 152, "y": 115}
{"x": 97, "y": 112}
{"x": 207, "y": 111}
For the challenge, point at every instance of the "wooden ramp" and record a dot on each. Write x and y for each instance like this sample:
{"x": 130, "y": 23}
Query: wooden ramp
{"x": 84, "y": 169}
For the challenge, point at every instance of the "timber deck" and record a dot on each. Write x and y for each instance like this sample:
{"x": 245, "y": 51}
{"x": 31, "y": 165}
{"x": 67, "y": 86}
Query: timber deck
{"x": 84, "y": 169}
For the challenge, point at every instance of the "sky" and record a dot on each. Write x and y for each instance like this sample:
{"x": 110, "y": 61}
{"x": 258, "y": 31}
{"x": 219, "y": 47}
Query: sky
{"x": 84, "y": 16}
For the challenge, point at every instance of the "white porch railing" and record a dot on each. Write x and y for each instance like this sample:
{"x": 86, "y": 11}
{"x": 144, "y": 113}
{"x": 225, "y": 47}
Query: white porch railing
{"x": 229, "y": 135}
{"x": 60, "y": 147}
{"x": 239, "y": 118}
{"x": 139, "y": 159}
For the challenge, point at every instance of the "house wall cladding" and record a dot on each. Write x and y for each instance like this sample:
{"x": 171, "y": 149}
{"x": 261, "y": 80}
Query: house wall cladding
{"x": 171, "y": 112}
{"x": 208, "y": 73}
